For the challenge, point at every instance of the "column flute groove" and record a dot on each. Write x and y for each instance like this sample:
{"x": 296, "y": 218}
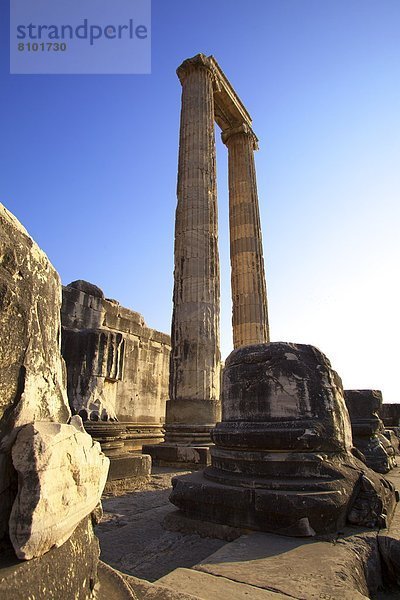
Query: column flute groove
{"x": 194, "y": 405}
{"x": 249, "y": 296}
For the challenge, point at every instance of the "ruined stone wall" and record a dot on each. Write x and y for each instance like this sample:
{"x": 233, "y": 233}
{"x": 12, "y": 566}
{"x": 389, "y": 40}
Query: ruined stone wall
{"x": 52, "y": 473}
{"x": 118, "y": 368}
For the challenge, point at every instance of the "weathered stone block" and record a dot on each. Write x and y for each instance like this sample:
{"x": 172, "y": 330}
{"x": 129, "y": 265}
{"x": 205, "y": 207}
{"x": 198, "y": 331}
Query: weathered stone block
{"x": 184, "y": 456}
{"x": 61, "y": 476}
{"x": 390, "y": 414}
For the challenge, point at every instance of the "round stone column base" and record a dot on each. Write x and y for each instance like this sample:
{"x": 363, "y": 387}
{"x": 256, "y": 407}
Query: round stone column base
{"x": 288, "y": 504}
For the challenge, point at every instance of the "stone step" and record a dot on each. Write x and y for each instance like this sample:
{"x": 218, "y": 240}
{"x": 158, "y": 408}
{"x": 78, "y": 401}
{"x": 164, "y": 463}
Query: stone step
{"x": 145, "y": 590}
{"x": 300, "y": 567}
{"x": 208, "y": 587}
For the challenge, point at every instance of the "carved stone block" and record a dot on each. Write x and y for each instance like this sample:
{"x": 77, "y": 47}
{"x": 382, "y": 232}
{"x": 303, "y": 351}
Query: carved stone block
{"x": 61, "y": 476}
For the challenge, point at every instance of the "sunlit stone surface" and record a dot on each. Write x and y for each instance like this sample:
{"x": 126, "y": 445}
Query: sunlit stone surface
{"x": 61, "y": 475}
{"x": 193, "y": 406}
{"x": 32, "y": 372}
{"x": 51, "y": 473}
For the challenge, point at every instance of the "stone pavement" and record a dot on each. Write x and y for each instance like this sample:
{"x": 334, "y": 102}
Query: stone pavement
{"x": 255, "y": 566}
{"x": 133, "y": 540}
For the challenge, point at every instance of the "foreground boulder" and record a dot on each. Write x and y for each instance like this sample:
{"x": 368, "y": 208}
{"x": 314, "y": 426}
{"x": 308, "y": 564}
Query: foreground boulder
{"x": 61, "y": 474}
{"x": 282, "y": 460}
{"x": 67, "y": 572}
{"x": 51, "y": 472}
{"x": 32, "y": 372}
{"x": 368, "y": 429}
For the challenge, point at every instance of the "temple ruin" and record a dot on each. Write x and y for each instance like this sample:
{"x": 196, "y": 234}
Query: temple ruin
{"x": 117, "y": 367}
{"x": 193, "y": 406}
{"x": 284, "y": 457}
{"x": 117, "y": 377}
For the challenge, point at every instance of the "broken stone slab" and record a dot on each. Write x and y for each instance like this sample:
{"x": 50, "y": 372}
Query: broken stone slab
{"x": 61, "y": 476}
{"x": 205, "y": 585}
{"x": 179, "y": 456}
{"x": 111, "y": 584}
{"x": 145, "y": 590}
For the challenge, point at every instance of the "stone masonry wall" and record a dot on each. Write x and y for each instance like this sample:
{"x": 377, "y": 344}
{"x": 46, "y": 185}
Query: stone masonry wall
{"x": 118, "y": 368}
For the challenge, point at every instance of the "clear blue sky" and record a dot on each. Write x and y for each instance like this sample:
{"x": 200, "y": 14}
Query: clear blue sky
{"x": 88, "y": 164}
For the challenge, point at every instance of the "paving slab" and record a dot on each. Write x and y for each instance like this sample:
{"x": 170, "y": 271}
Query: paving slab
{"x": 293, "y": 567}
{"x": 113, "y": 585}
{"x": 133, "y": 539}
{"x": 207, "y": 587}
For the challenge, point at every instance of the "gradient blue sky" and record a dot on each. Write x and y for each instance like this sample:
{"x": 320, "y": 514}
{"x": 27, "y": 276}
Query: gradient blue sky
{"x": 88, "y": 164}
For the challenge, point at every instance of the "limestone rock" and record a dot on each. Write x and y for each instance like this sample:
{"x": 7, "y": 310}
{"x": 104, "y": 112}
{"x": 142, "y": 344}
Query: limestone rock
{"x": 32, "y": 372}
{"x": 61, "y": 473}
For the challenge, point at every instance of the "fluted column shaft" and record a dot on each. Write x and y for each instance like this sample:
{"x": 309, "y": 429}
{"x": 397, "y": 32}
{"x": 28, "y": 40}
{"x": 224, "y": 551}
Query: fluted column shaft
{"x": 249, "y": 296}
{"x": 195, "y": 355}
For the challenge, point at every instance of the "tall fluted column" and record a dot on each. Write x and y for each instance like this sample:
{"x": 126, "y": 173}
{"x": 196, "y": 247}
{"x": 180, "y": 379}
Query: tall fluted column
{"x": 194, "y": 405}
{"x": 249, "y": 296}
